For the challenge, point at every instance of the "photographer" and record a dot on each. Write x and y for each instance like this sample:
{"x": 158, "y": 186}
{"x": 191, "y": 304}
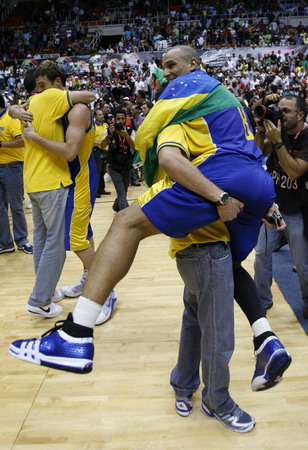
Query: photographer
{"x": 120, "y": 157}
{"x": 285, "y": 139}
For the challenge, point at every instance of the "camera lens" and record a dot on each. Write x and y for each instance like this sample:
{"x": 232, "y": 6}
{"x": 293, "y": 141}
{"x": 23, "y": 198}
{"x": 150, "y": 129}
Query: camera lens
{"x": 260, "y": 111}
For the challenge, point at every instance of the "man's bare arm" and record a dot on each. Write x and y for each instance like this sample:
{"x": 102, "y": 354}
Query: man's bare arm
{"x": 185, "y": 173}
{"x": 85, "y": 97}
{"x": 14, "y": 143}
{"x": 78, "y": 122}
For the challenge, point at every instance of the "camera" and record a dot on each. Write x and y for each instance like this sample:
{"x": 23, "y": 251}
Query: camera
{"x": 270, "y": 112}
{"x": 274, "y": 219}
{"x": 118, "y": 126}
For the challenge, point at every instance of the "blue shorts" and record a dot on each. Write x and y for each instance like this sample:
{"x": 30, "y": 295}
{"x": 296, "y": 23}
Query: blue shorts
{"x": 176, "y": 211}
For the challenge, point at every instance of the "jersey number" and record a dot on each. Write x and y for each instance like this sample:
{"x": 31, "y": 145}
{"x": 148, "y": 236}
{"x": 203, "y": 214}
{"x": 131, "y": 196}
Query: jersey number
{"x": 248, "y": 134}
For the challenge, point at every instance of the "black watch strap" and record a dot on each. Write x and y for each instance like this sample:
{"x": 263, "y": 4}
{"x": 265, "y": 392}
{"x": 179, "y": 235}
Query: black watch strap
{"x": 278, "y": 145}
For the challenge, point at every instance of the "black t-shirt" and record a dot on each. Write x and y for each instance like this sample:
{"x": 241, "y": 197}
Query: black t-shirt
{"x": 120, "y": 156}
{"x": 291, "y": 195}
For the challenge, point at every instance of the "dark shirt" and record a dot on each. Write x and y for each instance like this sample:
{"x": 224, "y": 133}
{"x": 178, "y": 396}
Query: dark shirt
{"x": 291, "y": 195}
{"x": 120, "y": 155}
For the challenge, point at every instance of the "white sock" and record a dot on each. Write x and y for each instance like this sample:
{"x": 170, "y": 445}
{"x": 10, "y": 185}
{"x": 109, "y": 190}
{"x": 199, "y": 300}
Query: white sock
{"x": 86, "y": 312}
{"x": 260, "y": 326}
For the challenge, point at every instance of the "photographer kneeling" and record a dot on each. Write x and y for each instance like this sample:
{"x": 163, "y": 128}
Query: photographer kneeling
{"x": 283, "y": 135}
{"x": 120, "y": 157}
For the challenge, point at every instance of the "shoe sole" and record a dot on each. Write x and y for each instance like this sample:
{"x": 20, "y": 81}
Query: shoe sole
{"x": 276, "y": 370}
{"x": 214, "y": 416}
{"x": 22, "y": 250}
{"x": 51, "y": 316}
{"x": 207, "y": 412}
{"x": 85, "y": 368}
{"x": 110, "y": 314}
{"x": 9, "y": 250}
{"x": 183, "y": 413}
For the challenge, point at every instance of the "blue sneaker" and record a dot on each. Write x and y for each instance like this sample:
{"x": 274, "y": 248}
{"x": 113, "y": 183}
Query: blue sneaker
{"x": 26, "y": 248}
{"x": 107, "y": 308}
{"x": 58, "y": 349}
{"x": 272, "y": 361}
{"x": 235, "y": 420}
{"x": 183, "y": 406}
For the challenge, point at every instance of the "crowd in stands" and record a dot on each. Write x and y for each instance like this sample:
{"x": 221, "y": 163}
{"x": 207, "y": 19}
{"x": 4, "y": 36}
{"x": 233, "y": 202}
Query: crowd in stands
{"x": 56, "y": 27}
{"x": 247, "y": 77}
{"x": 62, "y": 28}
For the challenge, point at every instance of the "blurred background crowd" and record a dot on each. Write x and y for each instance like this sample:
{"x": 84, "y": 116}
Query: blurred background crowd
{"x": 263, "y": 44}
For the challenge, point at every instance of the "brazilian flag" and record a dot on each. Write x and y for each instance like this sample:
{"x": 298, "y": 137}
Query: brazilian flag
{"x": 188, "y": 97}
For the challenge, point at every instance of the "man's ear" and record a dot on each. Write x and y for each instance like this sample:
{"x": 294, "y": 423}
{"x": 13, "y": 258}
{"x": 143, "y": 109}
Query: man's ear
{"x": 302, "y": 117}
{"x": 193, "y": 64}
{"x": 58, "y": 82}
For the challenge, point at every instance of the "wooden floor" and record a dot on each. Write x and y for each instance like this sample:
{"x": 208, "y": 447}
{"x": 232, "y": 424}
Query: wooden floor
{"x": 126, "y": 402}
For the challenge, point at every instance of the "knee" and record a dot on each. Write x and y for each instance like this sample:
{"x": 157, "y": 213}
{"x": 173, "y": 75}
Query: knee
{"x": 126, "y": 220}
{"x": 132, "y": 219}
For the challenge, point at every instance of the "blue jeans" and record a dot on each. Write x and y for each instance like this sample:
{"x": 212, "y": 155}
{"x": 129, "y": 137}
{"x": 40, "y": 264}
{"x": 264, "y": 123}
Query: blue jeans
{"x": 48, "y": 211}
{"x": 207, "y": 333}
{"x": 11, "y": 191}
{"x": 267, "y": 242}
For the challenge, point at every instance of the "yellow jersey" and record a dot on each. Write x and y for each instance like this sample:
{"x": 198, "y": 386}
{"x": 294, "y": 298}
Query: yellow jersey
{"x": 44, "y": 170}
{"x": 100, "y": 133}
{"x": 10, "y": 129}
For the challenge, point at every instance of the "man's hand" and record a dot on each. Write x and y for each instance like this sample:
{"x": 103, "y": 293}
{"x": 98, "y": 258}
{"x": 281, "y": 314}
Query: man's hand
{"x": 230, "y": 210}
{"x": 20, "y": 112}
{"x": 272, "y": 132}
{"x": 274, "y": 209}
{"x": 263, "y": 101}
{"x": 111, "y": 129}
{"x": 271, "y": 98}
{"x": 123, "y": 133}
{"x": 29, "y": 133}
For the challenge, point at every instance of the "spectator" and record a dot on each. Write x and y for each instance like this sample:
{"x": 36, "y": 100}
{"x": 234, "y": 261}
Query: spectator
{"x": 120, "y": 157}
{"x": 11, "y": 184}
{"x": 288, "y": 165}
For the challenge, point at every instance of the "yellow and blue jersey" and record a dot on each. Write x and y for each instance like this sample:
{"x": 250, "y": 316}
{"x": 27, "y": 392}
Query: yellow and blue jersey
{"x": 206, "y": 111}
{"x": 207, "y": 123}
{"x": 82, "y": 193}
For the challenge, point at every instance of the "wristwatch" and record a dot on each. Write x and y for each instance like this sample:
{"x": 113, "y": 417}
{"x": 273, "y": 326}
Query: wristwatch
{"x": 223, "y": 199}
{"x": 278, "y": 145}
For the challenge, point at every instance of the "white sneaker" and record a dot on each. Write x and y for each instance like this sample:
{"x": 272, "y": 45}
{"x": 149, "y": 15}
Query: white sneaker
{"x": 57, "y": 296}
{"x": 107, "y": 308}
{"x": 76, "y": 289}
{"x": 48, "y": 311}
